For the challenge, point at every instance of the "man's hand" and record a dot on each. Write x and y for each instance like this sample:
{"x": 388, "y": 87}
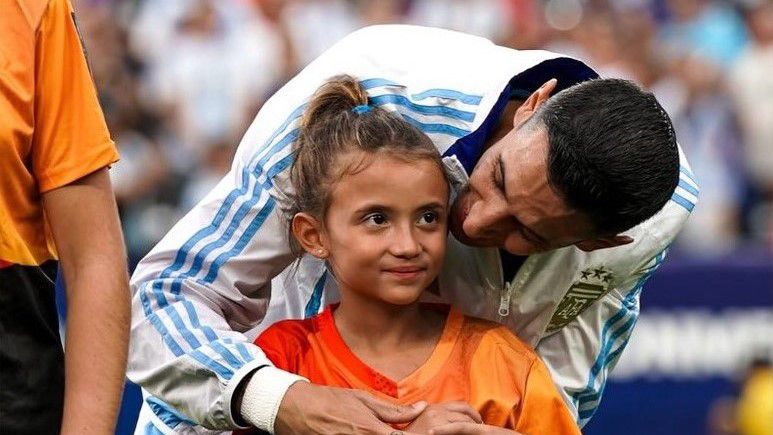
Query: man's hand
{"x": 441, "y": 414}
{"x": 465, "y": 428}
{"x": 307, "y": 408}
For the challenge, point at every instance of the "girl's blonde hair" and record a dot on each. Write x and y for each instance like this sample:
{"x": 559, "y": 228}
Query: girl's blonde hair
{"x": 339, "y": 120}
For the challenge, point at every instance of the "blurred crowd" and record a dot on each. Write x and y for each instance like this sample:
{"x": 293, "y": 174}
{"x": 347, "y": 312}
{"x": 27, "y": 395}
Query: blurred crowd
{"x": 180, "y": 81}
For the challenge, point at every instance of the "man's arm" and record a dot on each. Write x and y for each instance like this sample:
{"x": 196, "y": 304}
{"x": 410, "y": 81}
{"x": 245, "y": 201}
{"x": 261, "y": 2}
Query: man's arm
{"x": 84, "y": 222}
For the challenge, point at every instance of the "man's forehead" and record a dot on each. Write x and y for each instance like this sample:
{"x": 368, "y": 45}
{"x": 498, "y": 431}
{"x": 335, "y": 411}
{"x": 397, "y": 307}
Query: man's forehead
{"x": 523, "y": 163}
{"x": 526, "y": 140}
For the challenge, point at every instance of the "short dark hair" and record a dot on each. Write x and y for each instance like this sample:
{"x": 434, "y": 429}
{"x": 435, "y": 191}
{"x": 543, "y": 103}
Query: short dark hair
{"x": 612, "y": 152}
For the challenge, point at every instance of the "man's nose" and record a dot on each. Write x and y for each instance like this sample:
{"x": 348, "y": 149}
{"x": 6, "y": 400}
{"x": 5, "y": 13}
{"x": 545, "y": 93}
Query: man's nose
{"x": 489, "y": 219}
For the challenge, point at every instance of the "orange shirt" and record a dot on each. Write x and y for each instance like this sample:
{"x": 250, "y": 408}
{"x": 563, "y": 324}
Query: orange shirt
{"x": 476, "y": 361}
{"x": 52, "y": 131}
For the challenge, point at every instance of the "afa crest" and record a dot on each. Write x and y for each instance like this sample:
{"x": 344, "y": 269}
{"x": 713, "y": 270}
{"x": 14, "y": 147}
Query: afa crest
{"x": 594, "y": 283}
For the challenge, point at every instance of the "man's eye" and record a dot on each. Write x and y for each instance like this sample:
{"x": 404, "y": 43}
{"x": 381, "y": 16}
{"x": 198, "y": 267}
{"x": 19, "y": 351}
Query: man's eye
{"x": 376, "y": 219}
{"x": 429, "y": 217}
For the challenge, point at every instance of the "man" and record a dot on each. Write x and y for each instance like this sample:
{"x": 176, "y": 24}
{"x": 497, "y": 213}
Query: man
{"x": 551, "y": 182}
{"x": 56, "y": 202}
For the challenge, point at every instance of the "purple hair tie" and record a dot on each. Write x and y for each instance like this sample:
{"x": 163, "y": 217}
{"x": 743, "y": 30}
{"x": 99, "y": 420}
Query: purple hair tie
{"x": 362, "y": 108}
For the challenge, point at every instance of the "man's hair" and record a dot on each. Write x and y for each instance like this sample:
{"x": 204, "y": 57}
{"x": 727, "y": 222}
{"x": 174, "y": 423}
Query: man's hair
{"x": 612, "y": 153}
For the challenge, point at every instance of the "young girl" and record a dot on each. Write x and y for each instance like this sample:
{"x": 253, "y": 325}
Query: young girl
{"x": 371, "y": 199}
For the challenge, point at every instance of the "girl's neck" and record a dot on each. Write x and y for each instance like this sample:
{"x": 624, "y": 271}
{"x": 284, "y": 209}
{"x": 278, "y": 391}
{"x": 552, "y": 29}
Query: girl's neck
{"x": 393, "y": 340}
{"x": 369, "y": 324}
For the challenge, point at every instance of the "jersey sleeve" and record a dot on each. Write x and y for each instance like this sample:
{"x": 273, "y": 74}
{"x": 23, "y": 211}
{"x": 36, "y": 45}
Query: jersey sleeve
{"x": 201, "y": 289}
{"x": 71, "y": 138}
{"x": 541, "y": 409}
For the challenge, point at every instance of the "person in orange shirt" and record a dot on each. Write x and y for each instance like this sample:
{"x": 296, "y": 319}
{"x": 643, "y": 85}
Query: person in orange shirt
{"x": 56, "y": 202}
{"x": 371, "y": 199}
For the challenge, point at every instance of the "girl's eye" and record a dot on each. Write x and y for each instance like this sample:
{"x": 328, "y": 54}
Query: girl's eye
{"x": 428, "y": 217}
{"x": 376, "y": 219}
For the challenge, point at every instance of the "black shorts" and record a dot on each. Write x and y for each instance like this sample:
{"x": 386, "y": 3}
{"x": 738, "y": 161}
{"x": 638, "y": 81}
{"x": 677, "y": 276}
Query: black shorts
{"x": 31, "y": 356}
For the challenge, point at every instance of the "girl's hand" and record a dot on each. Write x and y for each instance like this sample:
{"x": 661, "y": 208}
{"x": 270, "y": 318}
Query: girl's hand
{"x": 466, "y": 428}
{"x": 440, "y": 414}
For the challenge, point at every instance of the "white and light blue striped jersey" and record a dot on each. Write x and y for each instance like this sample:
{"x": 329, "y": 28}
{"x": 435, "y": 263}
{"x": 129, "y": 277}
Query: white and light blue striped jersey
{"x": 221, "y": 274}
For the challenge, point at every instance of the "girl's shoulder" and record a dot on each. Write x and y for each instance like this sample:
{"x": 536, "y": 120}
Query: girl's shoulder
{"x": 292, "y": 333}
{"x": 495, "y": 340}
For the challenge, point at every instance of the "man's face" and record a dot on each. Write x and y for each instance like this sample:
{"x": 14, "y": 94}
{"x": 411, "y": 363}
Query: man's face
{"x": 509, "y": 203}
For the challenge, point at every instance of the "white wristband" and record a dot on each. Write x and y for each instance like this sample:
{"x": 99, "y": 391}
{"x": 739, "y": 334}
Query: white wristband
{"x": 263, "y": 395}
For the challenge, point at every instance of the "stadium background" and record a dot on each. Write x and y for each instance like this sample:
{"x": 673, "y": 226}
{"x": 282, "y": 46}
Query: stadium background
{"x": 179, "y": 81}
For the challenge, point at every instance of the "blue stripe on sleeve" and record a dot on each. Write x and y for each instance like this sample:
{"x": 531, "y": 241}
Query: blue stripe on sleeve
{"x": 605, "y": 356}
{"x": 429, "y": 93}
{"x": 601, "y": 360}
{"x": 211, "y": 364}
{"x": 222, "y": 212}
{"x": 208, "y": 332}
{"x": 144, "y": 300}
{"x": 179, "y": 261}
{"x": 684, "y": 202}
{"x": 688, "y": 187}
{"x": 401, "y": 100}
{"x": 296, "y": 114}
{"x": 189, "y": 337}
{"x": 687, "y": 172}
{"x": 612, "y": 357}
{"x": 279, "y": 167}
{"x": 436, "y": 128}
{"x": 312, "y": 307}
{"x": 246, "y": 356}
{"x": 447, "y": 93}
{"x": 182, "y": 253}
{"x": 605, "y": 359}
{"x": 241, "y": 213}
{"x": 178, "y": 323}
{"x": 151, "y": 430}
{"x": 229, "y": 357}
{"x": 168, "y": 415}
{"x": 242, "y": 241}
{"x": 168, "y": 340}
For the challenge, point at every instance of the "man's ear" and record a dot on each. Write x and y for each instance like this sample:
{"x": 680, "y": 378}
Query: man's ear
{"x": 309, "y": 233}
{"x": 535, "y": 100}
{"x": 603, "y": 242}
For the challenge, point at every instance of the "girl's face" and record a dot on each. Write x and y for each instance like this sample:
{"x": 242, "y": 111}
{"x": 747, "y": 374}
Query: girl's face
{"x": 385, "y": 228}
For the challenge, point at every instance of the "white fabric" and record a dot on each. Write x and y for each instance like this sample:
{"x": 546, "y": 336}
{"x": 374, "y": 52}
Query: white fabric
{"x": 263, "y": 395}
{"x": 221, "y": 274}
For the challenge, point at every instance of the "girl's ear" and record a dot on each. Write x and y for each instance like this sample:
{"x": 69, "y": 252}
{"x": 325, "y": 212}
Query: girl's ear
{"x": 308, "y": 231}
